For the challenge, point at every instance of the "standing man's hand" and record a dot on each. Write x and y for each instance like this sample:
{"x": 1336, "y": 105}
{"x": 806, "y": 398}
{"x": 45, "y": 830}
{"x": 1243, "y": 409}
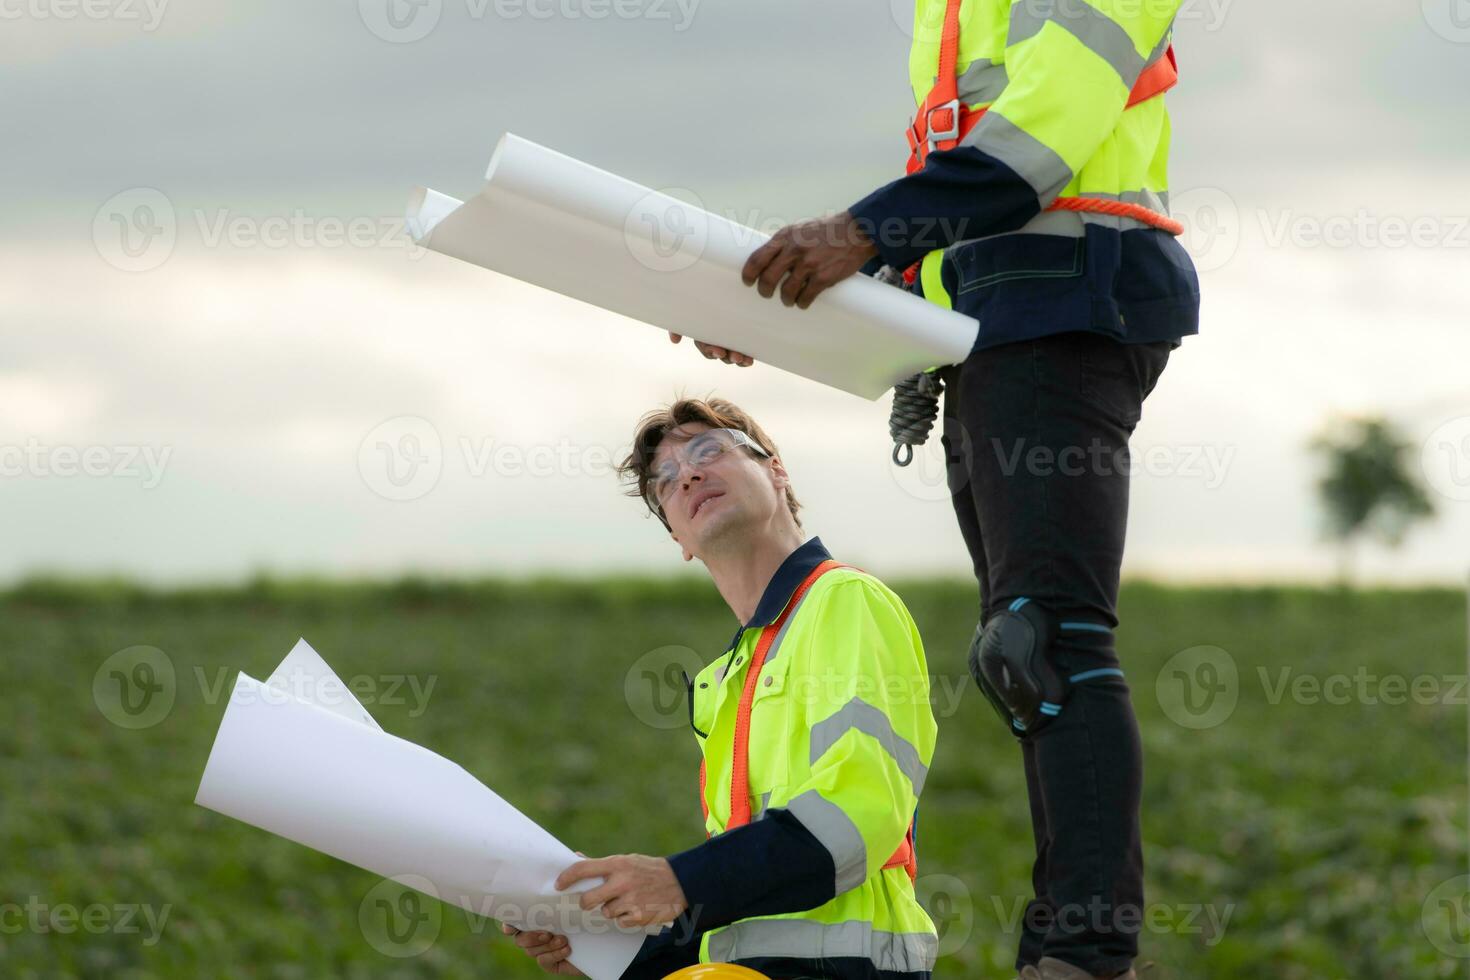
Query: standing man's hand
{"x": 810, "y": 256}
{"x": 637, "y": 891}
{"x": 717, "y": 353}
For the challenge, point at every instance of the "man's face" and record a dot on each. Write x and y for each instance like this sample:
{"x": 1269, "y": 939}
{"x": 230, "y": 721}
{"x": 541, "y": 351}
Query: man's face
{"x": 713, "y": 494}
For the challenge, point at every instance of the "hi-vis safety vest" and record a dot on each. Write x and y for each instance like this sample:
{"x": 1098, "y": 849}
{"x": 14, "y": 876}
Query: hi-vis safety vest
{"x": 826, "y": 714}
{"x": 1067, "y": 91}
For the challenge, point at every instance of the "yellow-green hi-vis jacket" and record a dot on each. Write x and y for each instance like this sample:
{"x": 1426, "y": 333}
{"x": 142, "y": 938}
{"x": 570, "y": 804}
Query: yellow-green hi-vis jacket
{"x": 1055, "y": 80}
{"x": 841, "y": 734}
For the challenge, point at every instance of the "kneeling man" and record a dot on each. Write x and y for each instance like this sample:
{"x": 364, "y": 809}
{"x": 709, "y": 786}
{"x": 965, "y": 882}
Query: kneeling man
{"x": 815, "y": 727}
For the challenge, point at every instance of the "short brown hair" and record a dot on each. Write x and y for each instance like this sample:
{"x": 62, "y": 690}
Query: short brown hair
{"x": 717, "y": 413}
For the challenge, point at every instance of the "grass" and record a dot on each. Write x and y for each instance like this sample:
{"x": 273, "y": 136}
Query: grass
{"x": 1297, "y": 838}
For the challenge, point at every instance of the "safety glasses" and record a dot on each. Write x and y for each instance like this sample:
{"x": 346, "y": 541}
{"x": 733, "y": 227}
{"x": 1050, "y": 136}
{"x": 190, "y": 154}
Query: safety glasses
{"x": 701, "y": 450}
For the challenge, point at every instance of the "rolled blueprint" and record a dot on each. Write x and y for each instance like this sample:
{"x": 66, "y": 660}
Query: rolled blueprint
{"x": 548, "y": 219}
{"x": 325, "y": 775}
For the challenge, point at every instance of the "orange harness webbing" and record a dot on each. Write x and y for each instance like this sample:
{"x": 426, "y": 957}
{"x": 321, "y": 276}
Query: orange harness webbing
{"x": 942, "y": 121}
{"x": 904, "y": 857}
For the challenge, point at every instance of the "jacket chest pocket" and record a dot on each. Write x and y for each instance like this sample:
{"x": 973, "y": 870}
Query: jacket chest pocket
{"x": 771, "y": 734}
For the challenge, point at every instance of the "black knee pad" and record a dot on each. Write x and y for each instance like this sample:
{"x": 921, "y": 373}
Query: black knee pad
{"x": 1011, "y": 660}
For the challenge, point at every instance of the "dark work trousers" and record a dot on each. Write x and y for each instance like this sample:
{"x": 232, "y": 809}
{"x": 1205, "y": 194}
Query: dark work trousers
{"x": 1036, "y": 435}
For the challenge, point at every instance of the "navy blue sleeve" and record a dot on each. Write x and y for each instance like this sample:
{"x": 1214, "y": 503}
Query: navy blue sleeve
{"x": 770, "y": 867}
{"x": 960, "y": 193}
{"x": 663, "y": 954}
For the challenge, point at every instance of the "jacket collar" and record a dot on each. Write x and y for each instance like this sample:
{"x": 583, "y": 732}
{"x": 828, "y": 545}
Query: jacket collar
{"x": 793, "y": 571}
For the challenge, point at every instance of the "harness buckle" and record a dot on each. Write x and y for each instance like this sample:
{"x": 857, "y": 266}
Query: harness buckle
{"x": 950, "y": 132}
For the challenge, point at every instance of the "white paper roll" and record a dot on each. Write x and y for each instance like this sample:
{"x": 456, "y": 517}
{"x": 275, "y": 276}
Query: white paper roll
{"x": 548, "y": 219}
{"x": 340, "y": 785}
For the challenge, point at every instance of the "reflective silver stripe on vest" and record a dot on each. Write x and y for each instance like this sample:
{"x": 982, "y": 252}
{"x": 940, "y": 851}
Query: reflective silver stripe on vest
{"x": 1101, "y": 35}
{"x": 1161, "y": 49}
{"x": 983, "y": 81}
{"x": 831, "y": 825}
{"x": 1037, "y": 163}
{"x": 900, "y": 952}
{"x": 861, "y": 716}
{"x": 765, "y": 804}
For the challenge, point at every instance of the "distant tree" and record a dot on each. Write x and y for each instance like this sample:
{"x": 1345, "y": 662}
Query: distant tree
{"x": 1368, "y": 487}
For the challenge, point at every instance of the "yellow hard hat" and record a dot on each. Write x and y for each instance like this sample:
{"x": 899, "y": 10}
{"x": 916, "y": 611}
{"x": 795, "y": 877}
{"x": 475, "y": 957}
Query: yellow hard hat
{"x": 716, "y": 971}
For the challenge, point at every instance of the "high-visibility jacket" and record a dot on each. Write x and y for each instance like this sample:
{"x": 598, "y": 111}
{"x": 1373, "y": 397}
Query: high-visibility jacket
{"x": 810, "y": 792}
{"x": 1062, "y": 100}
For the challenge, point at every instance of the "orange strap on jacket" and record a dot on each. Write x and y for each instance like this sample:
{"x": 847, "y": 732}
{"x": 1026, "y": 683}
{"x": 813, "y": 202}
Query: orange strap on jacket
{"x": 904, "y": 857}
{"x": 943, "y": 120}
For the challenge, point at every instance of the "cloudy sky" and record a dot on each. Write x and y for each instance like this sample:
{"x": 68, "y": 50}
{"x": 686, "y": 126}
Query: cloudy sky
{"x": 213, "y": 323}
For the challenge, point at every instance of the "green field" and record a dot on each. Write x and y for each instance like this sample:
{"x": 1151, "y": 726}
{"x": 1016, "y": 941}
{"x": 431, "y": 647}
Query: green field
{"x": 1299, "y": 835}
